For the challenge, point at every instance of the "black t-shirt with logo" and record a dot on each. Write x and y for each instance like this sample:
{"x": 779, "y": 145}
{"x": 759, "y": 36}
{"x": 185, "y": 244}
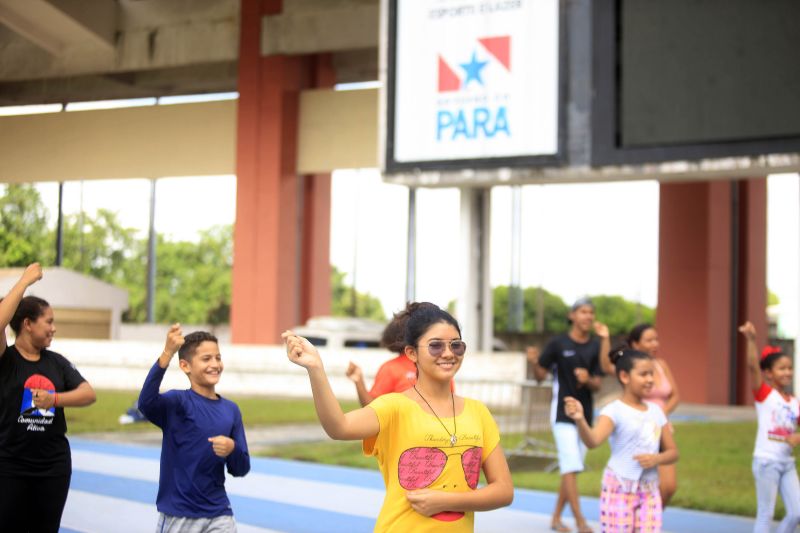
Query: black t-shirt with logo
{"x": 33, "y": 441}
{"x": 563, "y": 355}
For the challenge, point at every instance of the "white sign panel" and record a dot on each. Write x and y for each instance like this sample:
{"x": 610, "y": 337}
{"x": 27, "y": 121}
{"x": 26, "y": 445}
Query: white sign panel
{"x": 475, "y": 79}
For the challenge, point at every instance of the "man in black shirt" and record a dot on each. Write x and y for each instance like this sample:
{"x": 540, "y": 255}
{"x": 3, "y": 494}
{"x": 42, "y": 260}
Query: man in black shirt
{"x": 574, "y": 360}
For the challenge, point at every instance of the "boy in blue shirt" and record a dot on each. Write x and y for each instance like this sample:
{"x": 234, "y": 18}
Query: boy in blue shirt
{"x": 202, "y": 434}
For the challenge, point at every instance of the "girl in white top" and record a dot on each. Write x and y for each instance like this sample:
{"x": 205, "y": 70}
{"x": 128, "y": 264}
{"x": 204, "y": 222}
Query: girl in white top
{"x": 773, "y": 465}
{"x": 629, "y": 499}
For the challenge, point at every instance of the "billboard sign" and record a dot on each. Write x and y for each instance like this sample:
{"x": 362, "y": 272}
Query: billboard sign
{"x": 473, "y": 84}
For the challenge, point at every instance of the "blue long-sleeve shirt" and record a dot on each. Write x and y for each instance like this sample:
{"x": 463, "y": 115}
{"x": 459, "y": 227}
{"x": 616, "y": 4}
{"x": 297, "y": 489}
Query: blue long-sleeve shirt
{"x": 192, "y": 478}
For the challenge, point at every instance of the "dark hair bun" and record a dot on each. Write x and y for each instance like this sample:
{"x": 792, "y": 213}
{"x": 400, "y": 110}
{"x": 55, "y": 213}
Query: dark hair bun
{"x": 618, "y": 352}
{"x": 420, "y": 317}
{"x": 624, "y": 358}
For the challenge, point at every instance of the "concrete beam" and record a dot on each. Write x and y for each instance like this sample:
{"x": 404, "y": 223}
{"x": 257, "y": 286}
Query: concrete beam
{"x": 60, "y": 25}
{"x": 356, "y": 65}
{"x": 337, "y": 129}
{"x": 190, "y": 79}
{"x": 149, "y": 34}
{"x": 311, "y": 26}
{"x": 142, "y": 142}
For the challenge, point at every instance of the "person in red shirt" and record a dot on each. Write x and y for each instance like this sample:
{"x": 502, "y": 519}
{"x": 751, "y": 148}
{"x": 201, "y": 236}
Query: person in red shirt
{"x": 395, "y": 375}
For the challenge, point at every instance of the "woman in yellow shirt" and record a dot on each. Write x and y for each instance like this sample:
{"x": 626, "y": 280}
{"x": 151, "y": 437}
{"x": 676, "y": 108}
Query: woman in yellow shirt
{"x": 430, "y": 444}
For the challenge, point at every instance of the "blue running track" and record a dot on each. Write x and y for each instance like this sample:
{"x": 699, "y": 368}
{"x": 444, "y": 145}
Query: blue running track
{"x": 114, "y": 490}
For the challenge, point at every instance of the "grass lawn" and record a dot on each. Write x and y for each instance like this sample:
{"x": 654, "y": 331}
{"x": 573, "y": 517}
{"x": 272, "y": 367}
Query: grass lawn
{"x": 713, "y": 472}
{"x": 103, "y": 415}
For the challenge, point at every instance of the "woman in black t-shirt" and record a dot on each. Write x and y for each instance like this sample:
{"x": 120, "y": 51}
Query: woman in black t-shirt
{"x": 35, "y": 385}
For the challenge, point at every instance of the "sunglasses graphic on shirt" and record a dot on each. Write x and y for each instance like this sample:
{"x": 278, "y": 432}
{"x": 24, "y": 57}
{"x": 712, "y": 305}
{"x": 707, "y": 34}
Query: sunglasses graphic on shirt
{"x": 419, "y": 467}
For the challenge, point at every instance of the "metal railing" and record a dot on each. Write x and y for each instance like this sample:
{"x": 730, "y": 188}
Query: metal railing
{"x": 520, "y": 409}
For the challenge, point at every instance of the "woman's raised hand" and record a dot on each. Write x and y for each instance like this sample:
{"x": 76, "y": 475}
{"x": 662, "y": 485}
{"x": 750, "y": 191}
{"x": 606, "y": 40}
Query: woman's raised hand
{"x": 354, "y": 373}
{"x": 748, "y": 330}
{"x": 300, "y": 351}
{"x": 32, "y": 274}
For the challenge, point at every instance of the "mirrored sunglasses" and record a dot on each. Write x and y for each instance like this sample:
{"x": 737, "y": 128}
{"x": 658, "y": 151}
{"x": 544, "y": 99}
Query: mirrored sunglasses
{"x": 436, "y": 348}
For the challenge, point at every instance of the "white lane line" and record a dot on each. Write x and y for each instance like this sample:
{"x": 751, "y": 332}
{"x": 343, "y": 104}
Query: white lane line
{"x": 513, "y": 521}
{"x": 93, "y": 513}
{"x": 338, "y": 498}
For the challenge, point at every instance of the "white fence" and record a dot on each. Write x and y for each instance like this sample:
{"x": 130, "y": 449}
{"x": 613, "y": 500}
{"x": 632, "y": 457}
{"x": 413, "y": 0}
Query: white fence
{"x": 496, "y": 379}
{"x": 264, "y": 369}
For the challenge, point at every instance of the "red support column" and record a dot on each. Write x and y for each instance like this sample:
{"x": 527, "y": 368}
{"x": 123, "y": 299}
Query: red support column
{"x": 281, "y": 256}
{"x": 316, "y": 275}
{"x": 698, "y": 300}
{"x": 753, "y": 272}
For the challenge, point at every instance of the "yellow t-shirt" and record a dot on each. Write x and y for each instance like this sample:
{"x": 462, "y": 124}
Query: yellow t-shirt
{"x": 414, "y": 452}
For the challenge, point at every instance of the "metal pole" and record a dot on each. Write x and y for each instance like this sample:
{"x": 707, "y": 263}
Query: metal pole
{"x": 515, "y": 318}
{"x": 60, "y": 226}
{"x": 60, "y": 220}
{"x": 151, "y": 257}
{"x": 81, "y": 222}
{"x": 796, "y": 349}
{"x": 353, "y": 290}
{"x": 411, "y": 246}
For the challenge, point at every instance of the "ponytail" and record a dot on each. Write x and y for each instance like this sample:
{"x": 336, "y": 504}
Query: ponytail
{"x": 624, "y": 357}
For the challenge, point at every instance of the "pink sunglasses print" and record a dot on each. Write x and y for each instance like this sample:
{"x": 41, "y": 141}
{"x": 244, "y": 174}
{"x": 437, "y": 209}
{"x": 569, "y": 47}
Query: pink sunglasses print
{"x": 419, "y": 467}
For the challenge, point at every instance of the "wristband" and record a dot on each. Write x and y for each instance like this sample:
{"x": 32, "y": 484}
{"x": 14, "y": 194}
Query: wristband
{"x": 55, "y": 399}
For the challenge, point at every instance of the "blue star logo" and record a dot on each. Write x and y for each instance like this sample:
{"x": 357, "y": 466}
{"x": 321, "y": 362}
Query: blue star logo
{"x": 473, "y": 70}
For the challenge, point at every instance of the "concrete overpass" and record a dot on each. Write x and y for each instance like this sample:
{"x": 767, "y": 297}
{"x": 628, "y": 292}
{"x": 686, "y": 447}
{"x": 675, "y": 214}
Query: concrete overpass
{"x": 289, "y": 130}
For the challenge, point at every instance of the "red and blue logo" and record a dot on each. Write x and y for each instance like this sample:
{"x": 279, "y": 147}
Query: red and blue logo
{"x": 498, "y": 48}
{"x": 28, "y": 406}
{"x": 485, "y": 116}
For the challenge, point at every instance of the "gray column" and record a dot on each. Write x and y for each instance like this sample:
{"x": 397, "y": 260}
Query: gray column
{"x": 474, "y": 304}
{"x": 411, "y": 246}
{"x": 151, "y": 257}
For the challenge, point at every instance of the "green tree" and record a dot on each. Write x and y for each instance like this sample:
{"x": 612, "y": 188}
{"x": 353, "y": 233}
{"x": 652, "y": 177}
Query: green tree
{"x": 367, "y": 306}
{"x": 619, "y": 314}
{"x": 772, "y": 298}
{"x": 554, "y": 310}
{"x": 100, "y": 246}
{"x": 193, "y": 280}
{"x": 24, "y": 238}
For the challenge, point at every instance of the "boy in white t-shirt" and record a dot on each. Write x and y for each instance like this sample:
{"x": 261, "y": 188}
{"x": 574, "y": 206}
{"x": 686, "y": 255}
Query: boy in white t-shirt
{"x": 630, "y": 499}
{"x": 773, "y": 465}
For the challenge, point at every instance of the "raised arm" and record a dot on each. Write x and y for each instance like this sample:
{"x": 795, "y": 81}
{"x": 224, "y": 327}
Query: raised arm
{"x": 498, "y": 491}
{"x": 592, "y": 437}
{"x": 9, "y": 304}
{"x": 151, "y": 403}
{"x": 359, "y": 424}
{"x": 606, "y": 365}
{"x": 539, "y": 372}
{"x": 544, "y": 361}
{"x": 355, "y": 375}
{"x": 749, "y": 331}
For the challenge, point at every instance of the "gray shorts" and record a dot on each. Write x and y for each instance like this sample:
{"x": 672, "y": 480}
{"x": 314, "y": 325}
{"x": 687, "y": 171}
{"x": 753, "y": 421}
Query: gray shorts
{"x": 179, "y": 524}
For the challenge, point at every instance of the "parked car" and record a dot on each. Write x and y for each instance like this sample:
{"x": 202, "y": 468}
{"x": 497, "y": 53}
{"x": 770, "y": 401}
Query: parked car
{"x": 342, "y": 332}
